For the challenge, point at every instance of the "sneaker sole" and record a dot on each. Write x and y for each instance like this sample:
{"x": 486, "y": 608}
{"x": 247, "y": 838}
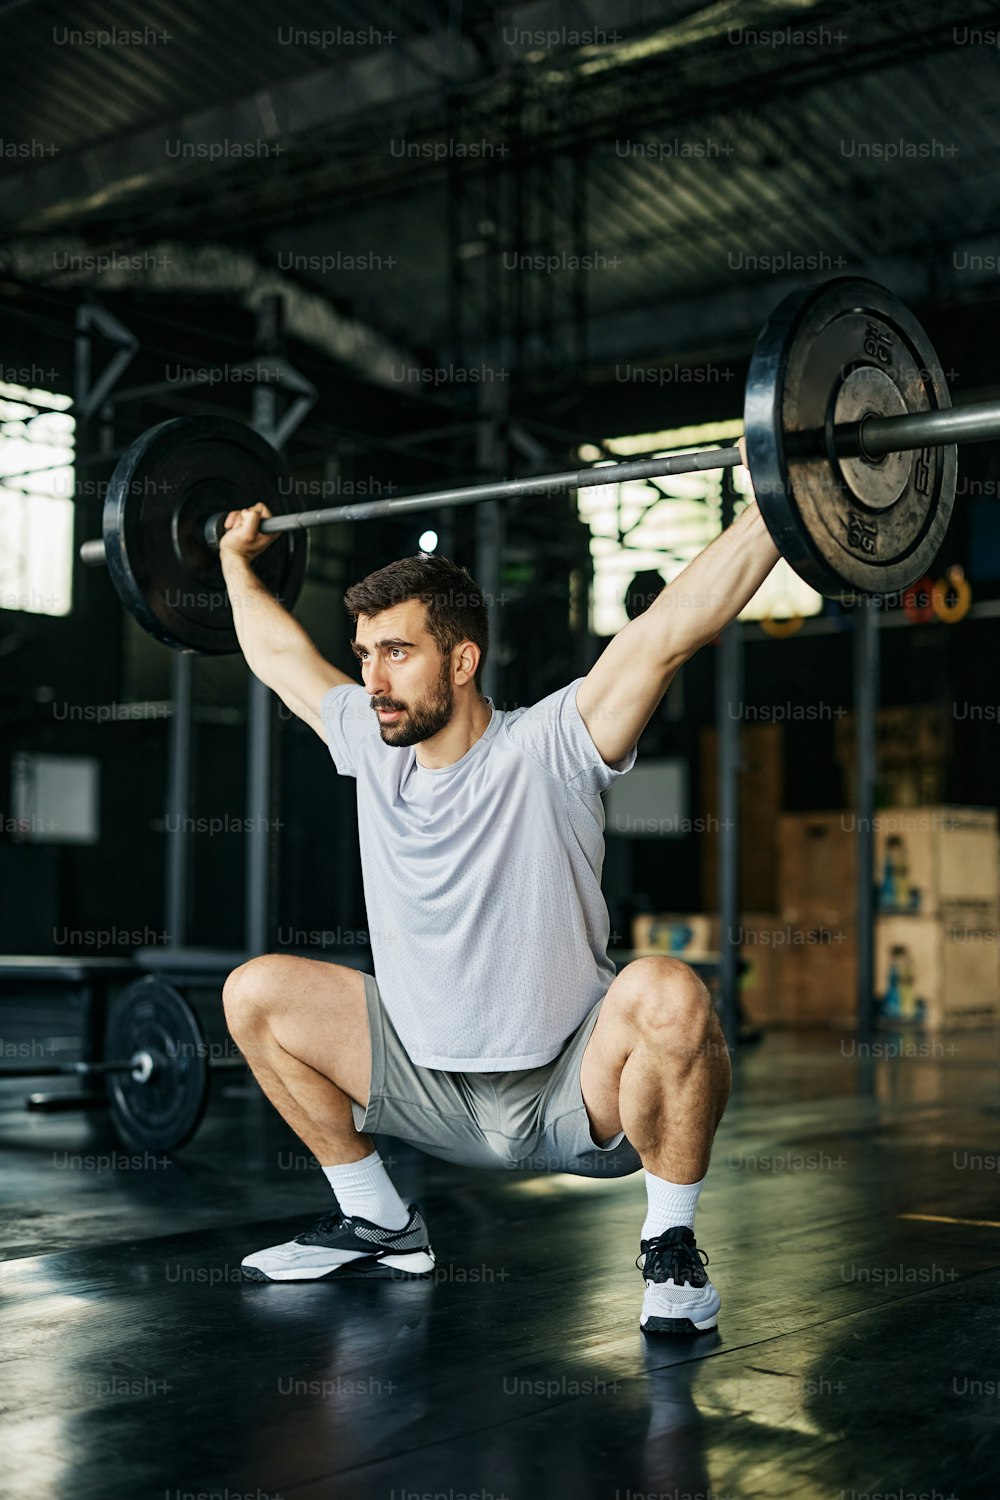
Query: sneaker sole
{"x": 678, "y": 1325}
{"x": 415, "y": 1266}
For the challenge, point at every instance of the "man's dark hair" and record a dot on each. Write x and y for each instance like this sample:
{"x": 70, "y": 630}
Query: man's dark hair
{"x": 455, "y": 608}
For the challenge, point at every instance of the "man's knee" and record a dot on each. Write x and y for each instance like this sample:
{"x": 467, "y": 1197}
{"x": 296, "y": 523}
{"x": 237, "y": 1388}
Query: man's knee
{"x": 665, "y": 1005}
{"x": 250, "y": 991}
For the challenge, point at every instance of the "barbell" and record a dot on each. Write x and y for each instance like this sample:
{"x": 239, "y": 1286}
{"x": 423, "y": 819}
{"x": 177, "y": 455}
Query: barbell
{"x": 851, "y": 443}
{"x": 156, "y": 1067}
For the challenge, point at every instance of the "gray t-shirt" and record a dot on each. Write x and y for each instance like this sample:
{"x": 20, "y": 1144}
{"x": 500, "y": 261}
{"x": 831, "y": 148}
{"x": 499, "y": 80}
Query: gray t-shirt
{"x": 488, "y": 927}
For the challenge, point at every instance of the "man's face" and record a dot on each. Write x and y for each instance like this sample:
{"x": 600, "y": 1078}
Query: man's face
{"x": 404, "y": 671}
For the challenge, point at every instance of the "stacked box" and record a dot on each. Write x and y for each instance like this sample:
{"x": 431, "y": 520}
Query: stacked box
{"x": 937, "y": 972}
{"x": 937, "y": 958}
{"x": 937, "y": 883}
{"x": 937, "y": 879}
{"x": 763, "y": 940}
{"x": 817, "y": 892}
{"x": 817, "y": 867}
{"x": 934, "y": 861}
{"x": 818, "y": 971}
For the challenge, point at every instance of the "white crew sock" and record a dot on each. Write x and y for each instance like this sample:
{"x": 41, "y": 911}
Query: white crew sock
{"x": 364, "y": 1191}
{"x": 669, "y": 1204}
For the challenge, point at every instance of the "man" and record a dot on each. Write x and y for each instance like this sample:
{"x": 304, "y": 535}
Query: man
{"x": 495, "y": 1030}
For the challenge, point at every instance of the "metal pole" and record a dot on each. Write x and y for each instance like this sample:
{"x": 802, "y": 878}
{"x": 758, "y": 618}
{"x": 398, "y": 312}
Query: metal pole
{"x": 257, "y": 906}
{"x": 866, "y": 697}
{"x": 728, "y": 714}
{"x": 179, "y": 741}
{"x": 489, "y": 536}
{"x": 489, "y": 532}
{"x": 257, "y": 877}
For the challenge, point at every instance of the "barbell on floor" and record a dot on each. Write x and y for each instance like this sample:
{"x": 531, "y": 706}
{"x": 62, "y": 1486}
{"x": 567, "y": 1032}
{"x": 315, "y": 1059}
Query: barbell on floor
{"x": 156, "y": 1066}
{"x": 851, "y": 444}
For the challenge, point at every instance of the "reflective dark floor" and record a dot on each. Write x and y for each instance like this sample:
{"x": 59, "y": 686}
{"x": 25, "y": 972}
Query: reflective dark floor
{"x": 852, "y": 1217}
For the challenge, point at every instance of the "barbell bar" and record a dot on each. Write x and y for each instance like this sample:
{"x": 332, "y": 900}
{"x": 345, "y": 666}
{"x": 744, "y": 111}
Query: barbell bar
{"x": 979, "y": 422}
{"x": 140, "y": 1066}
{"x": 93, "y": 552}
{"x": 851, "y": 441}
{"x": 874, "y": 438}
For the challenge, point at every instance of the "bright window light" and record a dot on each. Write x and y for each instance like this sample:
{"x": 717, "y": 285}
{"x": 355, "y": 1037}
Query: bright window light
{"x": 36, "y": 500}
{"x": 664, "y": 523}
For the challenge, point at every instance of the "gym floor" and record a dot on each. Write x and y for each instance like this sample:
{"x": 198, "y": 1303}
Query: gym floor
{"x": 851, "y": 1217}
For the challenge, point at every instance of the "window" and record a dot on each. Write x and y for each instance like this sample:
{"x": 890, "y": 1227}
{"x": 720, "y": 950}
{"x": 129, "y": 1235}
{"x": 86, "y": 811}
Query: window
{"x": 633, "y": 530}
{"x": 36, "y": 500}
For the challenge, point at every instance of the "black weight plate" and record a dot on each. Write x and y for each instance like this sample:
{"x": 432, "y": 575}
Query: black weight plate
{"x": 164, "y": 488}
{"x": 827, "y": 356}
{"x": 163, "y": 1112}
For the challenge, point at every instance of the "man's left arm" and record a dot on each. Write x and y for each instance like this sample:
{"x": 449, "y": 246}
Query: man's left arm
{"x": 617, "y": 698}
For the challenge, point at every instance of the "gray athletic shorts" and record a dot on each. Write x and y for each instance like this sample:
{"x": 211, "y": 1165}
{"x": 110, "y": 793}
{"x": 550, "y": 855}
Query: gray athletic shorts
{"x": 533, "y": 1120}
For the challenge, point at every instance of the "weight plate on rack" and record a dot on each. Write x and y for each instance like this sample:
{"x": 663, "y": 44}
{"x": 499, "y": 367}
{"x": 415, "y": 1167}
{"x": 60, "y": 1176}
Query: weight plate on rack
{"x": 161, "y": 1111}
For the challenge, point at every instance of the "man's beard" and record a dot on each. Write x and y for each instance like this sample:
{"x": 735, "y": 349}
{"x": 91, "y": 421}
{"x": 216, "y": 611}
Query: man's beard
{"x": 421, "y": 722}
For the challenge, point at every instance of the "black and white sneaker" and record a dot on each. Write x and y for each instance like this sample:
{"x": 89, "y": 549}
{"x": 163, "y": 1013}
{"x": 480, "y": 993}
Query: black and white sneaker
{"x": 338, "y": 1246}
{"x": 679, "y": 1297}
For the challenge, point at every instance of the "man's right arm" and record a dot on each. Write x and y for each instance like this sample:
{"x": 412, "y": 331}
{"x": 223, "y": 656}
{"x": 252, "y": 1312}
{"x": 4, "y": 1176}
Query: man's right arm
{"x": 276, "y": 648}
